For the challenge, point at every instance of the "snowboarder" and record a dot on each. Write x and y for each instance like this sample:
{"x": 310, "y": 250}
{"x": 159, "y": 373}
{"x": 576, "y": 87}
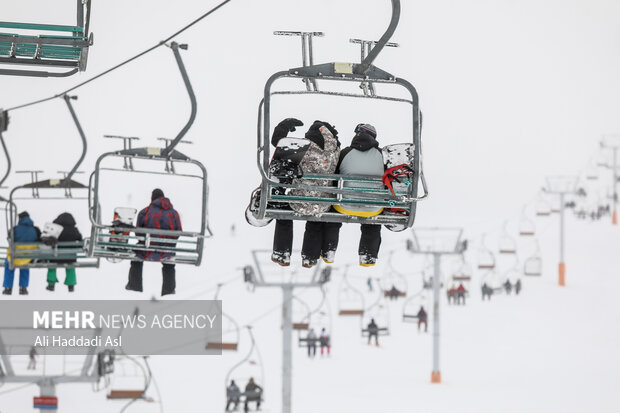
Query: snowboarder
{"x": 233, "y": 396}
{"x": 518, "y": 287}
{"x": 461, "y": 292}
{"x": 160, "y": 214}
{"x": 369, "y": 284}
{"x": 363, "y": 157}
{"x": 312, "y": 339}
{"x": 324, "y": 341}
{"x": 32, "y": 359}
{"x": 321, "y": 156}
{"x": 373, "y": 330}
{"x": 69, "y": 233}
{"x": 422, "y": 319}
{"x": 508, "y": 286}
{"x": 253, "y": 393}
{"x": 23, "y": 232}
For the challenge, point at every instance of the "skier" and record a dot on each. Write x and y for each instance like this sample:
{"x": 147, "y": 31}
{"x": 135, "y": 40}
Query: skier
{"x": 363, "y": 157}
{"x": 518, "y": 287}
{"x": 23, "y": 232}
{"x": 508, "y": 286}
{"x": 312, "y": 339}
{"x": 461, "y": 292}
{"x": 324, "y": 341}
{"x": 369, "y": 284}
{"x": 160, "y": 214}
{"x": 253, "y": 393}
{"x": 32, "y": 359}
{"x": 69, "y": 233}
{"x": 422, "y": 319}
{"x": 373, "y": 330}
{"x": 451, "y": 292}
{"x": 321, "y": 157}
{"x": 233, "y": 395}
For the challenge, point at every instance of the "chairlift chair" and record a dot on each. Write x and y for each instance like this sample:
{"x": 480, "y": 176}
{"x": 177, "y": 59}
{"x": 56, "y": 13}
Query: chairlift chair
{"x": 320, "y": 318}
{"x": 251, "y": 366}
{"x": 486, "y": 259}
{"x": 532, "y": 266}
{"x": 185, "y": 247}
{"x": 527, "y": 227}
{"x": 274, "y": 204}
{"x": 303, "y": 317}
{"x": 230, "y": 331}
{"x": 130, "y": 380}
{"x": 412, "y": 306}
{"x": 350, "y": 300}
{"x": 61, "y": 47}
{"x": 393, "y": 282}
{"x": 506, "y": 244}
{"x": 543, "y": 207}
{"x": 379, "y": 312}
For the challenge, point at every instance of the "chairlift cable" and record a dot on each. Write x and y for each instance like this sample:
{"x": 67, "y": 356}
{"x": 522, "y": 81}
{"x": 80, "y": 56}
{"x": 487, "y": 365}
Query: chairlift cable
{"x": 123, "y": 63}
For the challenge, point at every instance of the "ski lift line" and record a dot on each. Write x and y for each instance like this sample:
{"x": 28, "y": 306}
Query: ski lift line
{"x": 123, "y": 63}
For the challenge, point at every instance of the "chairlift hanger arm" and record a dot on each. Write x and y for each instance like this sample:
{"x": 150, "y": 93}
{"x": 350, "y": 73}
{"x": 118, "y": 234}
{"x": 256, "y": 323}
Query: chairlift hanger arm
{"x": 370, "y": 58}
{"x": 192, "y": 97}
{"x": 68, "y": 99}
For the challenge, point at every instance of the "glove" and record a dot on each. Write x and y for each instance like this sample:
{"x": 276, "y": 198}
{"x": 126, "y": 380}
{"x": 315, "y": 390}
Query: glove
{"x": 314, "y": 134}
{"x": 283, "y": 128}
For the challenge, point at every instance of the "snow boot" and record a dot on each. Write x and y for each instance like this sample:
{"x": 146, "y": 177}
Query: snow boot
{"x": 281, "y": 258}
{"x": 7, "y": 291}
{"x": 71, "y": 288}
{"x": 23, "y": 291}
{"x": 50, "y": 287}
{"x": 367, "y": 261}
{"x": 308, "y": 263}
{"x": 329, "y": 257}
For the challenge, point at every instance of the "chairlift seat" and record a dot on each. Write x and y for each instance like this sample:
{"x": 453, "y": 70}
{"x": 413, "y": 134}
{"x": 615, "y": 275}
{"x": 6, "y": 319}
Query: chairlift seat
{"x": 382, "y": 331}
{"x": 350, "y": 312}
{"x": 301, "y": 326}
{"x": 125, "y": 394}
{"x": 221, "y": 346}
{"x": 388, "y": 293}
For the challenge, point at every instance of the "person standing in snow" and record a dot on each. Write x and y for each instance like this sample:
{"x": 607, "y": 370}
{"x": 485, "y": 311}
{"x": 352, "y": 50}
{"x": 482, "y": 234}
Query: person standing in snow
{"x": 518, "y": 287}
{"x": 160, "y": 214}
{"x": 422, "y": 318}
{"x": 363, "y": 157}
{"x": 69, "y": 233}
{"x": 23, "y": 232}
{"x": 321, "y": 157}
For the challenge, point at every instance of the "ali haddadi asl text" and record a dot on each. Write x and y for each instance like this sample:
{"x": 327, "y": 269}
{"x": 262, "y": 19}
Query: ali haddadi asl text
{"x": 78, "y": 341}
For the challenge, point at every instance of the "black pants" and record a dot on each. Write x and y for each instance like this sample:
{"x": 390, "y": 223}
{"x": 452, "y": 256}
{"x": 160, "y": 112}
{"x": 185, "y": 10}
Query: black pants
{"x": 283, "y": 236}
{"x": 311, "y": 350}
{"x": 234, "y": 402}
{"x": 246, "y": 406}
{"x": 319, "y": 239}
{"x": 168, "y": 273}
{"x": 375, "y": 335}
{"x": 370, "y": 241}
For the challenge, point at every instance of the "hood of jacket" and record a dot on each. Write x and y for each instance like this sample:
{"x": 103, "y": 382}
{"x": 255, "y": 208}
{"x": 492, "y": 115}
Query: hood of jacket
{"x": 363, "y": 142}
{"x": 162, "y": 203}
{"x": 26, "y": 221}
{"x": 65, "y": 219}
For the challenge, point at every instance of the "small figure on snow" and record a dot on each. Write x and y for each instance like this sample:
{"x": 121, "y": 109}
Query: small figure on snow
{"x": 422, "y": 318}
{"x": 373, "y": 330}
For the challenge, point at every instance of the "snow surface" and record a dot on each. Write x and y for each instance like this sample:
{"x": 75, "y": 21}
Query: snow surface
{"x": 511, "y": 92}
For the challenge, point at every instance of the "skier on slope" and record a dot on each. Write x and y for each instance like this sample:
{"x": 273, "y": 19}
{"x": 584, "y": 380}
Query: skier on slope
{"x": 69, "y": 233}
{"x": 160, "y": 214}
{"x": 518, "y": 287}
{"x": 363, "y": 157}
{"x": 321, "y": 157}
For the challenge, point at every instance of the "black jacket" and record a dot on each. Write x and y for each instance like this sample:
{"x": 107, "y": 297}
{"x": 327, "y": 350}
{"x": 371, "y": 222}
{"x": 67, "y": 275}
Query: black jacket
{"x": 362, "y": 142}
{"x": 69, "y": 231}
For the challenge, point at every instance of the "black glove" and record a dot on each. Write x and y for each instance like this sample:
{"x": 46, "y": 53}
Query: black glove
{"x": 314, "y": 134}
{"x": 283, "y": 128}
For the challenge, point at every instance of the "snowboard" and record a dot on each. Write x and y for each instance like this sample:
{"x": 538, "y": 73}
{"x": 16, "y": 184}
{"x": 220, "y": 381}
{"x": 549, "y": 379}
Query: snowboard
{"x": 287, "y": 157}
{"x": 123, "y": 217}
{"x": 395, "y": 155}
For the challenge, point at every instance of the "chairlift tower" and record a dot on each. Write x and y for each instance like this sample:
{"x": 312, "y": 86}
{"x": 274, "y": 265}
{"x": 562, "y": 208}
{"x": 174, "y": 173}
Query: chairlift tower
{"x": 437, "y": 242}
{"x": 257, "y": 279}
{"x": 612, "y": 142}
{"x": 561, "y": 186}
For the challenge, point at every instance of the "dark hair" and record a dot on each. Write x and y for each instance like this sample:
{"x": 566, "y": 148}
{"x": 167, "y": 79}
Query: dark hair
{"x": 157, "y": 193}
{"x": 23, "y": 214}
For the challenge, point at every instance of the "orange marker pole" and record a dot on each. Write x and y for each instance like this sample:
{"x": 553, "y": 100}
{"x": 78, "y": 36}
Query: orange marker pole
{"x": 562, "y": 274}
{"x": 562, "y": 265}
{"x": 614, "y": 218}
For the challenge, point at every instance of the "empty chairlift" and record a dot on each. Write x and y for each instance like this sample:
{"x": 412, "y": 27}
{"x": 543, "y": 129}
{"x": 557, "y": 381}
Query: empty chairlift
{"x": 64, "y": 48}
{"x": 527, "y": 227}
{"x": 533, "y": 264}
{"x": 116, "y": 242}
{"x": 350, "y": 300}
{"x": 506, "y": 244}
{"x": 486, "y": 259}
{"x": 230, "y": 331}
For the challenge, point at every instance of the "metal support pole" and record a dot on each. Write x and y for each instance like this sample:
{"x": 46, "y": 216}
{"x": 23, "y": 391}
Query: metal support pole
{"x": 562, "y": 265}
{"x": 287, "y": 351}
{"x": 614, "y": 216}
{"x": 436, "y": 373}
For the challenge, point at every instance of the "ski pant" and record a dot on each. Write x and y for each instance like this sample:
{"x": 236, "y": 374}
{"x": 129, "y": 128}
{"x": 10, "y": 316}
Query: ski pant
{"x": 325, "y": 346}
{"x": 283, "y": 237}
{"x": 370, "y": 241}
{"x": 311, "y": 349}
{"x": 459, "y": 297}
{"x": 376, "y": 335}
{"x": 70, "y": 276}
{"x": 246, "y": 406}
{"x": 319, "y": 239}
{"x": 422, "y": 321}
{"x": 234, "y": 402}
{"x": 168, "y": 273}
{"x": 9, "y": 276}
